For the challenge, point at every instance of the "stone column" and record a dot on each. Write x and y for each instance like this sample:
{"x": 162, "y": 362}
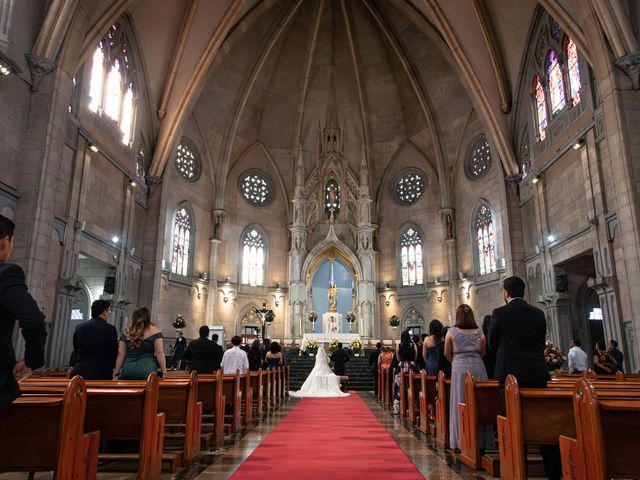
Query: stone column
{"x": 214, "y": 247}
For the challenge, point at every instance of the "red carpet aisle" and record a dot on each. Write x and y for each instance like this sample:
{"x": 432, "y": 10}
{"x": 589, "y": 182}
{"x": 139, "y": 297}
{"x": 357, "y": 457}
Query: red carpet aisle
{"x": 328, "y": 438}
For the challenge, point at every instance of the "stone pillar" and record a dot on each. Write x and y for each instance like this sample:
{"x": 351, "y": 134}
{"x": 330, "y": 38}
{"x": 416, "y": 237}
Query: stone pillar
{"x": 214, "y": 247}
{"x": 297, "y": 254}
{"x": 448, "y": 219}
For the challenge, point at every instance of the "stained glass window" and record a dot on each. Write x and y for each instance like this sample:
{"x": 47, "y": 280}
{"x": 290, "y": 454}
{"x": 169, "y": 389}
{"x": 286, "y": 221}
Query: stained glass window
{"x": 573, "y": 71}
{"x": 111, "y": 83}
{"x": 181, "y": 242}
{"x": 332, "y": 197}
{"x": 409, "y": 186}
{"x": 411, "y": 258}
{"x": 485, "y": 235}
{"x": 188, "y": 160}
{"x": 478, "y": 161}
{"x": 256, "y": 188}
{"x": 556, "y": 83}
{"x": 541, "y": 107}
{"x": 253, "y": 258}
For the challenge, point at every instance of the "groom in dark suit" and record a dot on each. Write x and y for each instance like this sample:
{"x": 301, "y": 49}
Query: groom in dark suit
{"x": 339, "y": 358}
{"x": 517, "y": 336}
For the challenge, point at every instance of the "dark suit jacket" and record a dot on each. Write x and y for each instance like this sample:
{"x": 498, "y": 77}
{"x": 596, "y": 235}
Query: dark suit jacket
{"x": 339, "y": 358}
{"x": 96, "y": 345}
{"x": 17, "y": 304}
{"x": 517, "y": 336}
{"x": 373, "y": 359}
{"x": 202, "y": 354}
{"x": 217, "y": 359}
{"x": 619, "y": 358}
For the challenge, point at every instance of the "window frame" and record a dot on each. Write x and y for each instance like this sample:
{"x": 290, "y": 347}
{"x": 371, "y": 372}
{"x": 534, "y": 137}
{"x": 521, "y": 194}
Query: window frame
{"x": 270, "y": 186}
{"x": 547, "y": 75}
{"x": 265, "y": 261}
{"x": 401, "y": 175}
{"x": 474, "y": 240}
{"x": 192, "y": 242}
{"x": 189, "y": 143}
{"x": 473, "y": 144}
{"x": 418, "y": 287}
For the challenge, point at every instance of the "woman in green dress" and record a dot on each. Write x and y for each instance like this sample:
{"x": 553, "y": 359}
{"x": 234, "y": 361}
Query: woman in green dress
{"x": 141, "y": 349}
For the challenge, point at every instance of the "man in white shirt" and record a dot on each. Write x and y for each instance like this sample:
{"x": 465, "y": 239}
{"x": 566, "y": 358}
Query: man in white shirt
{"x": 235, "y": 358}
{"x": 578, "y": 359}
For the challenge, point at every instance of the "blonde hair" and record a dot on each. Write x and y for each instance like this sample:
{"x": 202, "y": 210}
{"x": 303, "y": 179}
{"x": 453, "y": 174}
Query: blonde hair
{"x": 139, "y": 322}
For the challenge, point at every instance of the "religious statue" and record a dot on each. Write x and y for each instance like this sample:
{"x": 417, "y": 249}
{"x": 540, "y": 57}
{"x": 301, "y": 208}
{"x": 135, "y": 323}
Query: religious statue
{"x": 333, "y": 297}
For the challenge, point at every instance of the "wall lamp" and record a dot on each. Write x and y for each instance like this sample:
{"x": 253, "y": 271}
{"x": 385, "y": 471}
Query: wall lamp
{"x": 226, "y": 291}
{"x": 93, "y": 148}
{"x": 387, "y": 298}
{"x": 466, "y": 291}
{"x": 579, "y": 144}
{"x": 276, "y": 299}
{"x": 439, "y": 294}
{"x": 7, "y": 67}
{"x": 536, "y": 179}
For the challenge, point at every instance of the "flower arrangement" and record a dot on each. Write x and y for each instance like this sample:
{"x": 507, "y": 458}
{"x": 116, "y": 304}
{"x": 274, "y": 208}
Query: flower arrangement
{"x": 312, "y": 317}
{"x": 553, "y": 356}
{"x": 179, "y": 322}
{"x": 356, "y": 347}
{"x": 351, "y": 316}
{"x": 311, "y": 347}
{"x": 333, "y": 346}
{"x": 394, "y": 321}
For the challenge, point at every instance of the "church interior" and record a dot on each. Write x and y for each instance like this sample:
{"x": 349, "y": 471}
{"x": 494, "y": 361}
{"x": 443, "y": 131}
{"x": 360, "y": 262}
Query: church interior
{"x": 313, "y": 171}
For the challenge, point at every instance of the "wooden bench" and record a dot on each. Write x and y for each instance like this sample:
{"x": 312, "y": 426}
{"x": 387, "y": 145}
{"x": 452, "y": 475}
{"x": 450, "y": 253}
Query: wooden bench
{"x": 442, "y": 410}
{"x": 257, "y": 388}
{"x": 427, "y": 398}
{"x": 210, "y": 394}
{"x": 233, "y": 403}
{"x": 45, "y": 433}
{"x": 482, "y": 405}
{"x": 414, "y": 387}
{"x": 607, "y": 436}
{"x": 247, "y": 398}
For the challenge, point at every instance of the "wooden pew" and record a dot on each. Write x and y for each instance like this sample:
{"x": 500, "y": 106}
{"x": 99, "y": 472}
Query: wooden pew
{"x": 247, "y": 398}
{"x": 266, "y": 380}
{"x": 403, "y": 393}
{"x": 257, "y": 389}
{"x": 427, "y": 396}
{"x": 210, "y": 390}
{"x": 607, "y": 436}
{"x": 413, "y": 392}
{"x": 233, "y": 402}
{"x": 442, "y": 410}
{"x": 45, "y": 433}
{"x": 482, "y": 405}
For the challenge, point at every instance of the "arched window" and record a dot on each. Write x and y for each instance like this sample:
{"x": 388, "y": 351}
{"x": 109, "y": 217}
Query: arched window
{"x": 573, "y": 71}
{"x": 478, "y": 159}
{"x": 182, "y": 243}
{"x": 411, "y": 258}
{"x": 486, "y": 240}
{"x": 253, "y": 258}
{"x": 541, "y": 106}
{"x": 332, "y": 197}
{"x": 556, "y": 83}
{"x": 188, "y": 162}
{"x": 111, "y": 84}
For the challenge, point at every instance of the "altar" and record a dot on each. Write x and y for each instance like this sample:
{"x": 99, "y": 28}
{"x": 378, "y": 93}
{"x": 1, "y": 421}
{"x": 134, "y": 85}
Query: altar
{"x": 327, "y": 338}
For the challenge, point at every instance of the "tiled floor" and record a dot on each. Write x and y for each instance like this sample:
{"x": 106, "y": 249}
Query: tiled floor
{"x": 220, "y": 465}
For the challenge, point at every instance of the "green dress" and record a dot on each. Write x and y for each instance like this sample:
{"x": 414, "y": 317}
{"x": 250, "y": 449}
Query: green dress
{"x": 139, "y": 362}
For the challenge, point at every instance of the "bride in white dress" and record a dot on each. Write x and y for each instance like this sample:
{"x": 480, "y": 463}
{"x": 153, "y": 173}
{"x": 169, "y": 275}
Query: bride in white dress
{"x": 321, "y": 382}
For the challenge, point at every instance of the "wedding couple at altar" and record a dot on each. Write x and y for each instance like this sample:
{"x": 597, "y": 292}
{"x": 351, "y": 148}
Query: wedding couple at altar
{"x": 322, "y": 382}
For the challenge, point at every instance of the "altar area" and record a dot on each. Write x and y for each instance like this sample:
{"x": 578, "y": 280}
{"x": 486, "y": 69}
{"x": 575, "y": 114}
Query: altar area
{"x": 327, "y": 338}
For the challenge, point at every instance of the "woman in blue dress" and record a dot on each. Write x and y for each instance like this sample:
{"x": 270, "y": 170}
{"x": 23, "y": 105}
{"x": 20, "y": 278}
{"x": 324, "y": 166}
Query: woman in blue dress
{"x": 432, "y": 346}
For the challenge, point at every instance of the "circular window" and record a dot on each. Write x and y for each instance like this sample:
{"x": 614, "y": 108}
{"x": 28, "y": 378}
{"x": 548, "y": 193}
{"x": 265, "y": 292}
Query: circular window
{"x": 255, "y": 187}
{"x": 478, "y": 161}
{"x": 188, "y": 162}
{"x": 409, "y": 185}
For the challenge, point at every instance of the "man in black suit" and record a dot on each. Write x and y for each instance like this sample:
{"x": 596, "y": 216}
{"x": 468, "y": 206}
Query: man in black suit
{"x": 339, "y": 358}
{"x": 517, "y": 335}
{"x": 96, "y": 344}
{"x": 218, "y": 352}
{"x": 373, "y": 364}
{"x": 16, "y": 304}
{"x": 201, "y": 352}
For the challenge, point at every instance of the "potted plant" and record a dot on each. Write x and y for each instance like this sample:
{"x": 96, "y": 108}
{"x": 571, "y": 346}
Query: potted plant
{"x": 179, "y": 322}
{"x": 310, "y": 348}
{"x": 333, "y": 346}
{"x": 351, "y": 316}
{"x": 394, "y": 321}
{"x": 553, "y": 356}
{"x": 356, "y": 347}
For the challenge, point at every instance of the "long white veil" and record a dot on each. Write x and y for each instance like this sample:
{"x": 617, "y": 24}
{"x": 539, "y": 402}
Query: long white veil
{"x": 321, "y": 382}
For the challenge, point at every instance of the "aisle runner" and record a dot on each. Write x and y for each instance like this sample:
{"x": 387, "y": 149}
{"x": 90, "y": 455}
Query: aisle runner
{"x": 328, "y": 438}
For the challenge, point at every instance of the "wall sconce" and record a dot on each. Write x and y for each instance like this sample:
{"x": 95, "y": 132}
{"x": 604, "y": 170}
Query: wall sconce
{"x": 439, "y": 294}
{"x": 466, "y": 291}
{"x": 462, "y": 275}
{"x": 436, "y": 280}
{"x": 536, "y": 179}
{"x": 93, "y": 148}
{"x": 579, "y": 144}
{"x": 226, "y": 291}
{"x": 387, "y": 298}
{"x": 204, "y": 276}
{"x": 7, "y": 66}
{"x": 276, "y": 299}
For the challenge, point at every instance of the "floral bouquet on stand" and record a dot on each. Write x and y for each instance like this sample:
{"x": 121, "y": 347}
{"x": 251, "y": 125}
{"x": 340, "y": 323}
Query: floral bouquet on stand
{"x": 310, "y": 347}
{"x": 333, "y": 346}
{"x": 179, "y": 322}
{"x": 394, "y": 321}
{"x": 553, "y": 356}
{"x": 351, "y": 316}
{"x": 312, "y": 317}
{"x": 356, "y": 347}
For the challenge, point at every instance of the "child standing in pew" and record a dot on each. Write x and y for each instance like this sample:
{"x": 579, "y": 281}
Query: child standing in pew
{"x": 140, "y": 350}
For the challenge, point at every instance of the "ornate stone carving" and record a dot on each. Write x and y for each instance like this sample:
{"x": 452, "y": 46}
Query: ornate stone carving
{"x": 630, "y": 65}
{"x": 39, "y": 67}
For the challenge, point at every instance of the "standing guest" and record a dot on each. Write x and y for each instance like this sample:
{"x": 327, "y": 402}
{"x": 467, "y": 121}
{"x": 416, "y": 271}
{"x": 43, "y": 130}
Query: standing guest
{"x": 201, "y": 353}
{"x": 517, "y": 336}
{"x": 16, "y": 304}
{"x": 265, "y": 348}
{"x": 373, "y": 364}
{"x": 417, "y": 341}
{"x": 255, "y": 356}
{"x": 339, "y": 359}
{"x": 217, "y": 352}
{"x": 96, "y": 344}
{"x": 617, "y": 355}
{"x": 578, "y": 359}
{"x": 406, "y": 353}
{"x": 464, "y": 347}
{"x": 489, "y": 358}
{"x": 432, "y": 346}
{"x": 274, "y": 358}
{"x": 603, "y": 362}
{"x": 444, "y": 364}
{"x": 141, "y": 349}
{"x": 178, "y": 351}
{"x": 235, "y": 358}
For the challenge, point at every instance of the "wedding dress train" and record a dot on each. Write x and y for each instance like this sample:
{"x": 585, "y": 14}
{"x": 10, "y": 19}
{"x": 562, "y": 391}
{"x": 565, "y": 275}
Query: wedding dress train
{"x": 321, "y": 382}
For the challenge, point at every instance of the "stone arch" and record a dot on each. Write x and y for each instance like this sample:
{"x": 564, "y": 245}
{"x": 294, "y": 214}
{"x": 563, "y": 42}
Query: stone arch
{"x": 247, "y": 316}
{"x": 412, "y": 316}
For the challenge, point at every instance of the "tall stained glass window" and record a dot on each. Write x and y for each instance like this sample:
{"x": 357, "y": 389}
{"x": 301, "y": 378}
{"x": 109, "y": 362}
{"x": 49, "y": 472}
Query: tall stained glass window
{"x": 486, "y": 239}
{"x": 182, "y": 233}
{"x": 541, "y": 107}
{"x": 253, "y": 258}
{"x": 573, "y": 71}
{"x": 411, "y": 258}
{"x": 556, "y": 83}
